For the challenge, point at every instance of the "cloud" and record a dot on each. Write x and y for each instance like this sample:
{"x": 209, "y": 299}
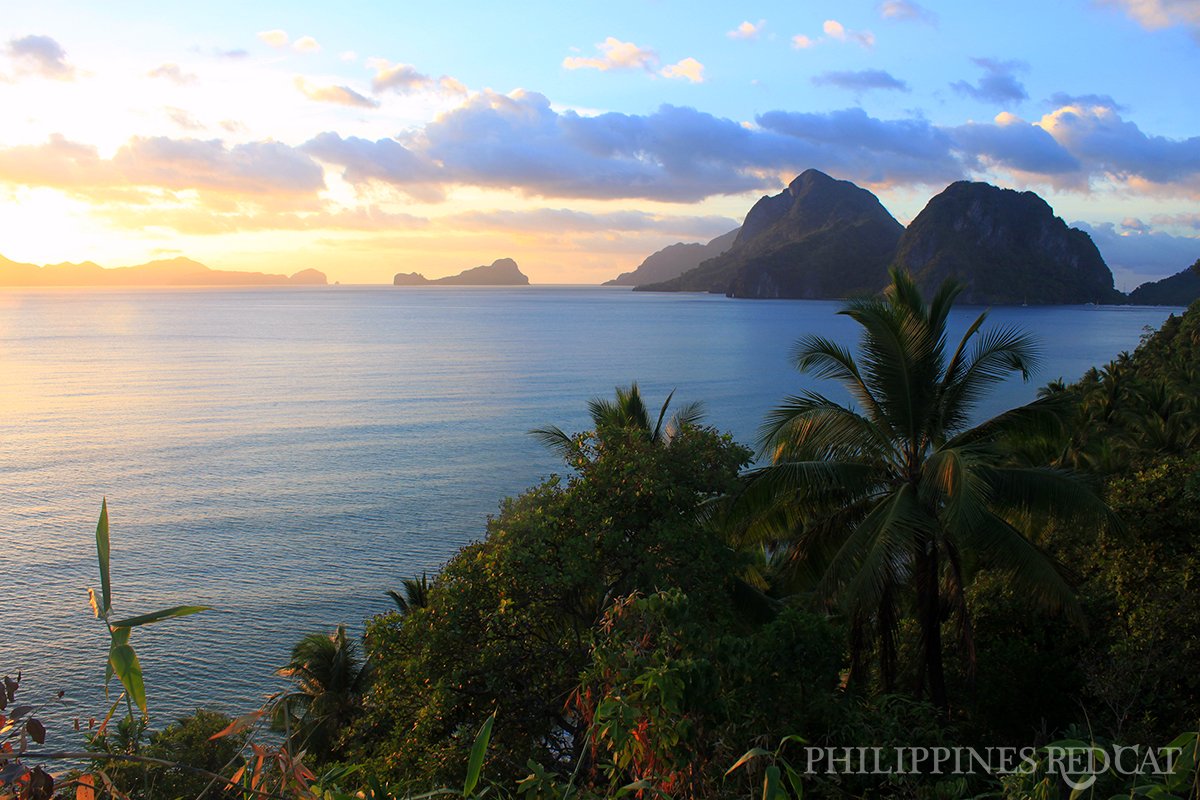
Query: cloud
{"x": 200, "y": 221}
{"x": 306, "y": 44}
{"x": 618, "y": 55}
{"x": 274, "y": 37}
{"x": 837, "y": 32}
{"x": 173, "y": 73}
{"x": 747, "y": 30}
{"x": 998, "y": 85}
{"x": 1142, "y": 254}
{"x": 1159, "y": 14}
{"x": 854, "y": 145}
{"x": 520, "y": 143}
{"x": 860, "y": 81}
{"x": 183, "y": 119}
{"x": 1117, "y": 148}
{"x": 254, "y": 170}
{"x": 385, "y": 160}
{"x": 905, "y": 11}
{"x": 406, "y": 79}
{"x": 1014, "y": 144}
{"x": 689, "y": 69}
{"x": 1178, "y": 220}
{"x": 615, "y": 54}
{"x": 1060, "y": 99}
{"x": 40, "y": 56}
{"x": 563, "y": 219}
{"x": 338, "y": 95}
{"x": 251, "y": 168}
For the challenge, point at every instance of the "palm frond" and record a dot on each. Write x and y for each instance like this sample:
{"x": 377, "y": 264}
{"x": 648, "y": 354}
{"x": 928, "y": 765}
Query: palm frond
{"x": 996, "y": 355}
{"x": 557, "y": 441}
{"x": 811, "y": 425}
{"x": 1030, "y": 571}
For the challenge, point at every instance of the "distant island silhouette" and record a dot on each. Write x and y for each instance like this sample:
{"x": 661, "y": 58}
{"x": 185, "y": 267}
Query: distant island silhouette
{"x": 501, "y": 272}
{"x": 170, "y": 272}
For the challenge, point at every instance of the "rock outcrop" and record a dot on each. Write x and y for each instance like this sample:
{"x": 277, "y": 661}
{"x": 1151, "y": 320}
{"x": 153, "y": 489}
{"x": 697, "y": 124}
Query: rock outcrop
{"x": 1180, "y": 289}
{"x": 674, "y": 260}
{"x": 819, "y": 238}
{"x": 1006, "y": 247}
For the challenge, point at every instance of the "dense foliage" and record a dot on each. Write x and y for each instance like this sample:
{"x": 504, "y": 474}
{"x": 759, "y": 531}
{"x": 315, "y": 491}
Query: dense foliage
{"x": 510, "y": 624}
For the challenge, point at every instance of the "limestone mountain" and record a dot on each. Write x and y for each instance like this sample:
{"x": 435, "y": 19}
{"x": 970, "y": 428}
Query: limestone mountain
{"x": 674, "y": 260}
{"x": 169, "y": 272}
{"x": 1180, "y": 289}
{"x": 1006, "y": 247}
{"x": 501, "y": 272}
{"x": 819, "y": 238}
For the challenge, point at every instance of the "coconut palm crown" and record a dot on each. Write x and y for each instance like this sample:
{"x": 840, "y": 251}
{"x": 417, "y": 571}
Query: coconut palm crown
{"x": 894, "y": 501}
{"x": 627, "y": 414}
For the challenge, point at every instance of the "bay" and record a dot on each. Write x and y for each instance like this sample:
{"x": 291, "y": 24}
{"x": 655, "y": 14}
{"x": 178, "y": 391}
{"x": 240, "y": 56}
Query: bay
{"x": 286, "y": 455}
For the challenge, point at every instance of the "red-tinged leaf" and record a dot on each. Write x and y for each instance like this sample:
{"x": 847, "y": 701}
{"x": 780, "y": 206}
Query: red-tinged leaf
{"x": 36, "y": 730}
{"x": 20, "y": 711}
{"x": 237, "y": 776}
{"x": 238, "y": 725}
{"x": 85, "y": 787}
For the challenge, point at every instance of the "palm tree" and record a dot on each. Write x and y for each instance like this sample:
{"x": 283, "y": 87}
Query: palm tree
{"x": 414, "y": 595}
{"x": 899, "y": 499}
{"x": 628, "y": 414}
{"x": 330, "y": 677}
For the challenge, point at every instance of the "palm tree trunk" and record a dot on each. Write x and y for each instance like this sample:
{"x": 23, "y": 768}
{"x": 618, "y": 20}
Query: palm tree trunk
{"x": 929, "y": 613}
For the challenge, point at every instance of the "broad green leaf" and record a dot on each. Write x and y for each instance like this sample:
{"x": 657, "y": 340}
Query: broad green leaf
{"x": 796, "y": 783}
{"x": 127, "y": 669}
{"x": 102, "y": 553}
{"x": 771, "y": 788}
{"x": 478, "y": 750}
{"x": 119, "y": 636}
{"x": 157, "y": 616}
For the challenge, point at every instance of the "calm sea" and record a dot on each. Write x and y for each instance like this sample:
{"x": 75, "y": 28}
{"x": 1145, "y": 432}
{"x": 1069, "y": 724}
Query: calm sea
{"x": 287, "y": 455}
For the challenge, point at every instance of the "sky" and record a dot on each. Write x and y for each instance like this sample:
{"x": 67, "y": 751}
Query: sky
{"x": 369, "y": 138}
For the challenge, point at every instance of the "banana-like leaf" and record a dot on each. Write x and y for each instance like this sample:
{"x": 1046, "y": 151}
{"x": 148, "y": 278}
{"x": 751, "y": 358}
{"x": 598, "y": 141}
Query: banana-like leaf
{"x": 119, "y": 636}
{"x": 158, "y": 616}
{"x": 771, "y": 787}
{"x": 102, "y": 555}
{"x": 749, "y": 755}
{"x": 478, "y": 750}
{"x": 125, "y": 666}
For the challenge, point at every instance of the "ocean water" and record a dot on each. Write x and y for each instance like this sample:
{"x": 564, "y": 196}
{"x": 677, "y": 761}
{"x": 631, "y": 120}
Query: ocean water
{"x": 286, "y": 455}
